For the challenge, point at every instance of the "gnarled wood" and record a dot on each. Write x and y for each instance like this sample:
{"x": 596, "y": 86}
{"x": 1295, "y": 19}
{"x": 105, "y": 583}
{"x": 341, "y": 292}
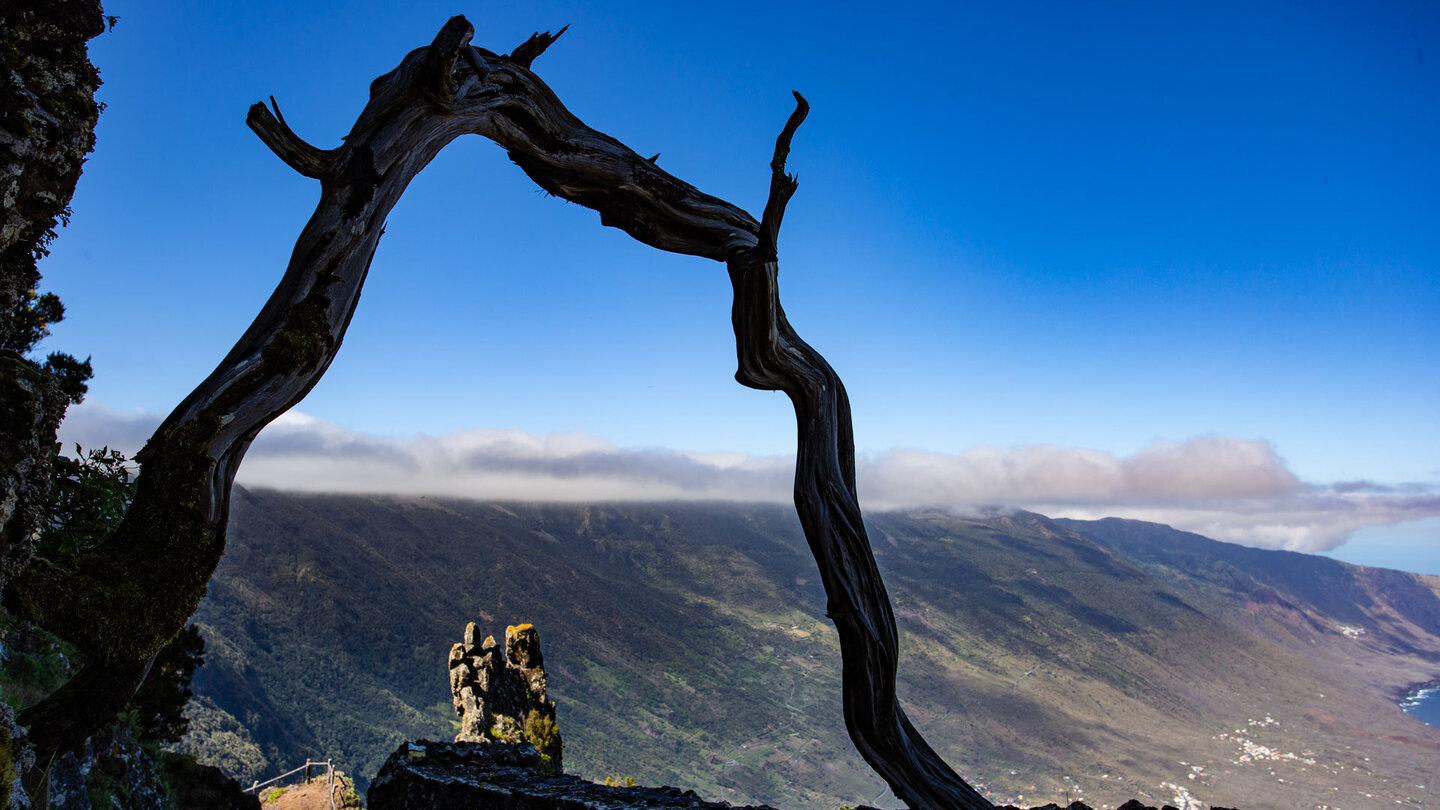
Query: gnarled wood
{"x": 773, "y": 357}
{"x": 173, "y": 535}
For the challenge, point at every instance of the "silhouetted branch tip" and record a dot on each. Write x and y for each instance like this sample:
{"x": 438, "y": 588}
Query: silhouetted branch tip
{"x": 782, "y": 142}
{"x": 782, "y": 185}
{"x": 275, "y": 105}
{"x": 299, "y": 155}
{"x": 531, "y": 48}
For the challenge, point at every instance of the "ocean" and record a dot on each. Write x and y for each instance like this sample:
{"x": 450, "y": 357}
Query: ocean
{"x": 1424, "y": 704}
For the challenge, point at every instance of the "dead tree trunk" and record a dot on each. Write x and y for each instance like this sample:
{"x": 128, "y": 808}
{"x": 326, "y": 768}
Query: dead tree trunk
{"x": 123, "y": 602}
{"x": 773, "y": 357}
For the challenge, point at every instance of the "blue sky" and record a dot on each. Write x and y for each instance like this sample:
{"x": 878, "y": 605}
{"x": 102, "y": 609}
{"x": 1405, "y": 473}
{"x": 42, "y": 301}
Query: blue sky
{"x": 1189, "y": 249}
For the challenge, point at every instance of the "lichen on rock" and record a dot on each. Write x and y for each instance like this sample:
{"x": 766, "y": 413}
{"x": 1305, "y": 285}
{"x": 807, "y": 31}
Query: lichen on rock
{"x": 501, "y": 696}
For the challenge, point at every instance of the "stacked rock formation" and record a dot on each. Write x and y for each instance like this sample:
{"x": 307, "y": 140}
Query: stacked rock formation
{"x": 500, "y": 696}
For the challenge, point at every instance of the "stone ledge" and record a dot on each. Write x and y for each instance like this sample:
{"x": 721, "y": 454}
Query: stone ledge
{"x": 429, "y": 775}
{"x": 425, "y": 774}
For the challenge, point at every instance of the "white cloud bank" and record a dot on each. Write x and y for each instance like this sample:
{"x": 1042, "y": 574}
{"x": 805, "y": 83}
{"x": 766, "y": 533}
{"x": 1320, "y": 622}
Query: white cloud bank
{"x": 1229, "y": 489}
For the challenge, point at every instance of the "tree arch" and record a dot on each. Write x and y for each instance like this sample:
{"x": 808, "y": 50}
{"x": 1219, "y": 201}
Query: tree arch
{"x": 122, "y": 602}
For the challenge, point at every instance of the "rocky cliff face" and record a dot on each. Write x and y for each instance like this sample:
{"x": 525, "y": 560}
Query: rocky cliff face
{"x": 501, "y": 695}
{"x": 47, "y": 127}
{"x": 114, "y": 769}
{"x": 110, "y": 764}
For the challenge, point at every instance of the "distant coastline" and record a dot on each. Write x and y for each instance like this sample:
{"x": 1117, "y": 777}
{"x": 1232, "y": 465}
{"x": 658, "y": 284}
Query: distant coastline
{"x": 1423, "y": 703}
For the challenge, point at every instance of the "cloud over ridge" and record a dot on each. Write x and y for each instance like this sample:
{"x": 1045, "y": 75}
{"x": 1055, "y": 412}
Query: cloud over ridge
{"x": 1232, "y": 489}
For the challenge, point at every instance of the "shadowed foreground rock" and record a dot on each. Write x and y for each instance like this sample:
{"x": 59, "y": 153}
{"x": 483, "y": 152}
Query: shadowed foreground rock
{"x": 424, "y": 775}
{"x": 196, "y": 785}
{"x": 429, "y": 775}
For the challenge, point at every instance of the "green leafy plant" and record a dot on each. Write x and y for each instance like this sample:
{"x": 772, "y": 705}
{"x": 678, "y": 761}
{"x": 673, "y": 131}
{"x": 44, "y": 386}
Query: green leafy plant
{"x": 542, "y": 732}
{"x": 32, "y": 320}
{"x": 505, "y": 729}
{"x": 88, "y": 498}
{"x": 349, "y": 798}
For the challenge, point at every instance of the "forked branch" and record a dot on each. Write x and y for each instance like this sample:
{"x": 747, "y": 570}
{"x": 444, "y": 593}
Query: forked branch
{"x": 282, "y": 140}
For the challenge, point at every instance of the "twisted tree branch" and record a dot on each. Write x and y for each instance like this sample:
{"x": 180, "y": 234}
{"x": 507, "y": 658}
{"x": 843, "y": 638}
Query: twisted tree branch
{"x": 123, "y": 602}
{"x": 782, "y": 185}
{"x": 773, "y": 357}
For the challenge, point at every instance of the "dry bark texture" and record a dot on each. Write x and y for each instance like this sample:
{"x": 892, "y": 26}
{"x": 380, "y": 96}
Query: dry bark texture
{"x": 172, "y": 538}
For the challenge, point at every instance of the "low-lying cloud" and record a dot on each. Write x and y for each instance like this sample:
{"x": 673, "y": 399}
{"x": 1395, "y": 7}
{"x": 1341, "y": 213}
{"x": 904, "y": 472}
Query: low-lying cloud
{"x": 1232, "y": 489}
{"x": 1204, "y": 468}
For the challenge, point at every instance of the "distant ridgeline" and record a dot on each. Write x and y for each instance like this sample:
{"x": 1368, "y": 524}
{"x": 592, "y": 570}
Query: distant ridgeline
{"x": 508, "y": 751}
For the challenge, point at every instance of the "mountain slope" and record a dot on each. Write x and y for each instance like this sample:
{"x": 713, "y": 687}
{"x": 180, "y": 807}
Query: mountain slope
{"x": 1296, "y": 600}
{"x": 687, "y": 645}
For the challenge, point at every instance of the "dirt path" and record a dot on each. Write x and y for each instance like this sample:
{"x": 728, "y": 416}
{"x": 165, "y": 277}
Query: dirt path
{"x": 310, "y": 796}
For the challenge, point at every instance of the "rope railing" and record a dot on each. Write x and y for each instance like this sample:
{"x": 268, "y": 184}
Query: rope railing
{"x": 328, "y": 765}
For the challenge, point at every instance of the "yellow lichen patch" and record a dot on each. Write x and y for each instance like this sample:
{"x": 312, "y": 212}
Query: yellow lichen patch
{"x": 517, "y": 629}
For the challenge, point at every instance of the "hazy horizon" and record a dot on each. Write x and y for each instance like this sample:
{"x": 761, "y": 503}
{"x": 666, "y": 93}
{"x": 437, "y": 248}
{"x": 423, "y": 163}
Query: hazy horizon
{"x": 1223, "y": 489}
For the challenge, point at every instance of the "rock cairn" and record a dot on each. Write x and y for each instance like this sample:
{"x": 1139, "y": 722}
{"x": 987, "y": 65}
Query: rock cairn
{"x": 500, "y": 695}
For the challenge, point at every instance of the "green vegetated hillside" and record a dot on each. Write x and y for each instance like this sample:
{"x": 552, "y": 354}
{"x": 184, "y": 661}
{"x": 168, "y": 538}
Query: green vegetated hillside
{"x": 687, "y": 645}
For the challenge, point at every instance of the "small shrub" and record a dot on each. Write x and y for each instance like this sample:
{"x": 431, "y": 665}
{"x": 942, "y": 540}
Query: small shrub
{"x": 506, "y": 730}
{"x": 89, "y": 495}
{"x": 542, "y": 732}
